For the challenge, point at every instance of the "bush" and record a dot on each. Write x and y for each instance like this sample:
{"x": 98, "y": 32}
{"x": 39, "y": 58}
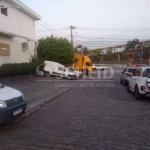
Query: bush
{"x": 19, "y": 69}
{"x": 55, "y": 49}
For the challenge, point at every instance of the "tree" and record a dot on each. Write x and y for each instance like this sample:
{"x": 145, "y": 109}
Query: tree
{"x": 85, "y": 51}
{"x": 55, "y": 49}
{"x": 131, "y": 44}
{"x": 109, "y": 51}
{"x": 96, "y": 52}
{"x": 76, "y": 50}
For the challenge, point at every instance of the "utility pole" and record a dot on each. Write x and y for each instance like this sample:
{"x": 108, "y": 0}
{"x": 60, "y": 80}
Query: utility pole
{"x": 142, "y": 47}
{"x": 71, "y": 27}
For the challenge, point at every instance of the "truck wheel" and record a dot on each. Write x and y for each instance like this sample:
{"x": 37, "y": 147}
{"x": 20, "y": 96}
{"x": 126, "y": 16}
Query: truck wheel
{"x": 94, "y": 69}
{"x": 137, "y": 95}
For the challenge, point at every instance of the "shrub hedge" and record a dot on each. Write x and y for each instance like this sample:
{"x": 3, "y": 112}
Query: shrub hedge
{"x": 19, "y": 69}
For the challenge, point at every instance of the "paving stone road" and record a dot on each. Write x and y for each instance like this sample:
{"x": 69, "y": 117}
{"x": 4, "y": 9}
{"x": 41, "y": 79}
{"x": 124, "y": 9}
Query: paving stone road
{"x": 89, "y": 117}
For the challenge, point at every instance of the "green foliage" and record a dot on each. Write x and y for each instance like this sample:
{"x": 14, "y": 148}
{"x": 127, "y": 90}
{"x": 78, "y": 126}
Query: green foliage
{"x": 96, "y": 52}
{"x": 85, "y": 51}
{"x": 55, "y": 49}
{"x": 19, "y": 69}
{"x": 76, "y": 50}
{"x": 131, "y": 44}
{"x": 109, "y": 51}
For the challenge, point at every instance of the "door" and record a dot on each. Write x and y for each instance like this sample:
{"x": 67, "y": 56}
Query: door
{"x": 61, "y": 70}
{"x": 134, "y": 78}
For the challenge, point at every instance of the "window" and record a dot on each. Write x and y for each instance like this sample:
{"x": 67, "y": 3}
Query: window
{"x": 125, "y": 70}
{"x": 61, "y": 69}
{"x": 131, "y": 70}
{"x": 137, "y": 72}
{"x": 146, "y": 73}
{"x": 88, "y": 63}
{"x": 4, "y": 10}
{"x": 76, "y": 60}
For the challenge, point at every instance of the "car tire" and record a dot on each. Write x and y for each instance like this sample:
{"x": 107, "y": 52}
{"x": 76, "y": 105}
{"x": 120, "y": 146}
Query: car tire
{"x": 137, "y": 95}
{"x": 128, "y": 88}
{"x": 123, "y": 83}
{"x": 69, "y": 77}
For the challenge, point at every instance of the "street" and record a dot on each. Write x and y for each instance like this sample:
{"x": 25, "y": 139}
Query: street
{"x": 89, "y": 114}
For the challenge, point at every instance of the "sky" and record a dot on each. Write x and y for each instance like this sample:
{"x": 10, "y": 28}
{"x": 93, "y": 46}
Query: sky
{"x": 98, "y": 23}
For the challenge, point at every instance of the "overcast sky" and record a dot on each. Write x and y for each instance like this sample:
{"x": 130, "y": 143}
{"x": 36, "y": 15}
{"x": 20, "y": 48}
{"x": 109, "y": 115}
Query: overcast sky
{"x": 108, "y": 22}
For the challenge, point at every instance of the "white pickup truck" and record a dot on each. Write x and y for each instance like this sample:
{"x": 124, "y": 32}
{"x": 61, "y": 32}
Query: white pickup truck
{"x": 98, "y": 67}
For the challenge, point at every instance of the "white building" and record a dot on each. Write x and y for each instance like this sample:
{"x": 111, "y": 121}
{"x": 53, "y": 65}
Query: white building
{"x": 17, "y": 32}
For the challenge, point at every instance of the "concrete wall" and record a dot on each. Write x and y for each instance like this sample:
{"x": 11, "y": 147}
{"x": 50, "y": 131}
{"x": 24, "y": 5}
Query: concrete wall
{"x": 18, "y": 23}
{"x": 17, "y": 55}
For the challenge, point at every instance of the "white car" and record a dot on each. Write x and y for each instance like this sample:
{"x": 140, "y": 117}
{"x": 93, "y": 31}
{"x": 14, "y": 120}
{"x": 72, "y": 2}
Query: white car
{"x": 12, "y": 104}
{"x": 139, "y": 82}
{"x": 98, "y": 67}
{"x": 78, "y": 73}
{"x": 56, "y": 69}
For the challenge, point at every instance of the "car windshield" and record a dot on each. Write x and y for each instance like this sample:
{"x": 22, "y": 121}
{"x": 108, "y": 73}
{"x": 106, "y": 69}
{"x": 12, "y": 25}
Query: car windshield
{"x": 131, "y": 70}
{"x": 70, "y": 69}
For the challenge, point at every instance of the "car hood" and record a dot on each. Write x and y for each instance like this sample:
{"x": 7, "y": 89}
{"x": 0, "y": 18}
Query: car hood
{"x": 7, "y": 93}
{"x": 78, "y": 72}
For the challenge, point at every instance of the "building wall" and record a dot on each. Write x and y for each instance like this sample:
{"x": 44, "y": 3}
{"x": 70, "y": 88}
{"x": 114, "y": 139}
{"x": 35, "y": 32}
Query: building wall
{"x": 21, "y": 24}
{"x": 17, "y": 55}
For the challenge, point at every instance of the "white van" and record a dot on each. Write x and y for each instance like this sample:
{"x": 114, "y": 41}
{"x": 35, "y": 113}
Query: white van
{"x": 56, "y": 69}
{"x": 12, "y": 104}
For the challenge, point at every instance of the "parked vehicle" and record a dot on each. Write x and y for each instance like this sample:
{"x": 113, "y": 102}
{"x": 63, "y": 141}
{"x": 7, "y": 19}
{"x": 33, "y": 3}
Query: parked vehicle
{"x": 56, "y": 69}
{"x": 82, "y": 62}
{"x": 139, "y": 82}
{"x": 139, "y": 65}
{"x": 98, "y": 67}
{"x": 125, "y": 75}
{"x": 78, "y": 73}
{"x": 12, "y": 104}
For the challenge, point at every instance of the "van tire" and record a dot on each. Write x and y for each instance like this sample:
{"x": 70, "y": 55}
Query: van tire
{"x": 47, "y": 74}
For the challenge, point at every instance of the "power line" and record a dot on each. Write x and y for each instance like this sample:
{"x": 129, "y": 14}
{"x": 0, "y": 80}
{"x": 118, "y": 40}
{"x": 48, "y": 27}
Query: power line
{"x": 53, "y": 28}
{"x": 113, "y": 29}
{"x": 47, "y": 28}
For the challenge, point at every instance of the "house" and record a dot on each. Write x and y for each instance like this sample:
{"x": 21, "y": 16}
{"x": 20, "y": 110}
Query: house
{"x": 17, "y": 32}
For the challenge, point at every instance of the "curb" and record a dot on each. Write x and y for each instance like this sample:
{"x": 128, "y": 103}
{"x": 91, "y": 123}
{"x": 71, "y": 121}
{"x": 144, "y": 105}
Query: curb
{"x": 29, "y": 113}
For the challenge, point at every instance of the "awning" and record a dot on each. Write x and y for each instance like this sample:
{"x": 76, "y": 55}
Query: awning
{"x": 7, "y": 34}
